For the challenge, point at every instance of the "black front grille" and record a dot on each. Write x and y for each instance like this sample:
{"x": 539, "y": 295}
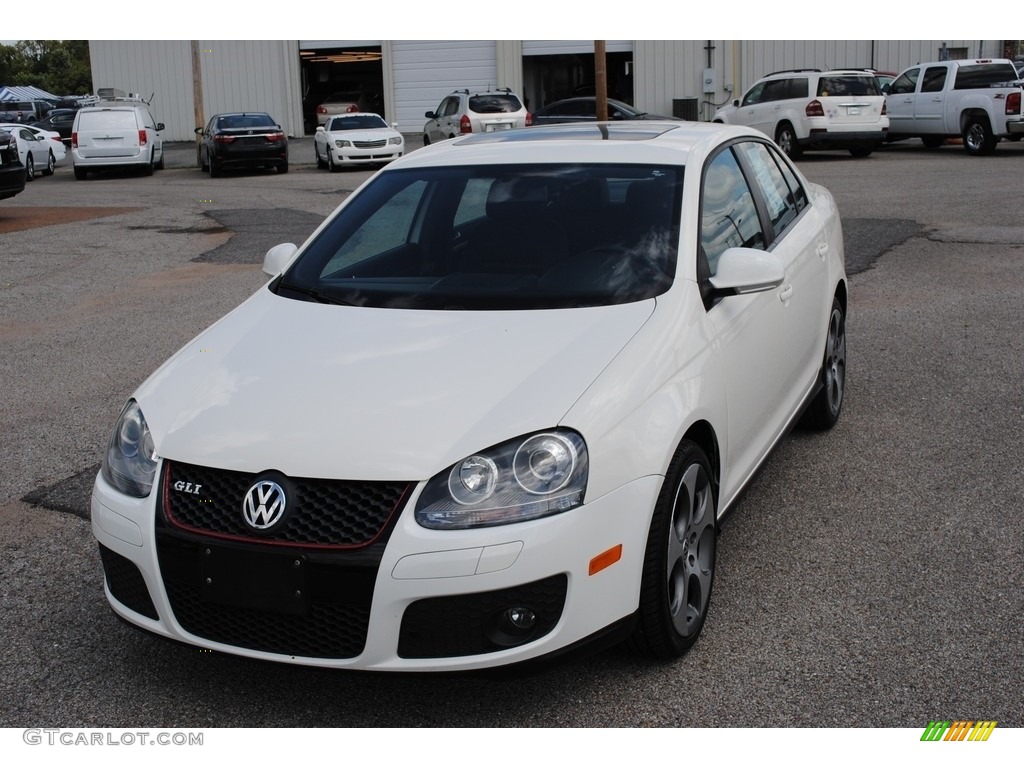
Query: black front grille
{"x": 319, "y": 513}
{"x": 375, "y": 144}
{"x": 311, "y": 603}
{"x": 466, "y": 625}
{"x": 126, "y": 583}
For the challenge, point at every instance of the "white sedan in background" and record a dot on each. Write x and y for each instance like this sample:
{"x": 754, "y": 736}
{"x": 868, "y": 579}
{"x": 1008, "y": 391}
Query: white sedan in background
{"x": 493, "y": 410}
{"x": 359, "y": 138}
{"x": 39, "y": 150}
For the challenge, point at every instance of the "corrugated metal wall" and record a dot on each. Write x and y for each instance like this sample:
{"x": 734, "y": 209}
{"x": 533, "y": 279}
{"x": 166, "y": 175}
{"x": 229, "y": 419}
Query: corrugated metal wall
{"x": 237, "y": 74}
{"x": 671, "y": 69}
{"x": 425, "y": 71}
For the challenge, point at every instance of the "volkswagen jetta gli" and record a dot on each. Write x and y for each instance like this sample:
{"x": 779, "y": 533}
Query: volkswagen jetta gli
{"x": 492, "y": 410}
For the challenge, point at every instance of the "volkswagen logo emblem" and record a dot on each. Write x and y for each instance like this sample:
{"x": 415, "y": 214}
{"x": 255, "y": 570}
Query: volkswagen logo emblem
{"x": 264, "y": 505}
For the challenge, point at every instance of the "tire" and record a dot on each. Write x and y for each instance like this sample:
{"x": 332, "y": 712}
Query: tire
{"x": 331, "y": 166}
{"x": 51, "y": 165}
{"x": 147, "y": 169}
{"x": 283, "y": 167}
{"x": 30, "y": 168}
{"x": 978, "y": 136}
{"x": 679, "y": 561}
{"x": 426, "y": 140}
{"x": 861, "y": 151}
{"x": 785, "y": 137}
{"x": 319, "y": 160}
{"x": 933, "y": 142}
{"x": 214, "y": 169}
{"x": 81, "y": 174}
{"x": 160, "y": 165}
{"x": 823, "y": 412}
{"x": 200, "y": 162}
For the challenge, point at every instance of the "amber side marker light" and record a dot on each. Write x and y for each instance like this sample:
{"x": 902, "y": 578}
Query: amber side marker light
{"x": 605, "y": 559}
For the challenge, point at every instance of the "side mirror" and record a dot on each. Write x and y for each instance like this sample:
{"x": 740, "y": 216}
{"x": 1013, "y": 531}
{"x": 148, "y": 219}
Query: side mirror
{"x": 277, "y": 258}
{"x": 321, "y": 128}
{"x": 735, "y": 102}
{"x": 199, "y": 131}
{"x": 430, "y": 115}
{"x": 395, "y": 125}
{"x": 159, "y": 126}
{"x": 747, "y": 270}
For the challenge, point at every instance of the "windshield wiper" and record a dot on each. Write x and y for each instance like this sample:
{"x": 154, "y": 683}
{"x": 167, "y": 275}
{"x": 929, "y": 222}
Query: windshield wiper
{"x": 319, "y": 296}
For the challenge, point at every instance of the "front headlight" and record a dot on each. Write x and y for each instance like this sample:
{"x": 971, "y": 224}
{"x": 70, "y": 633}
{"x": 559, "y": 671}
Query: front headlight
{"x": 395, "y": 140}
{"x": 342, "y": 143}
{"x": 523, "y": 479}
{"x": 130, "y": 462}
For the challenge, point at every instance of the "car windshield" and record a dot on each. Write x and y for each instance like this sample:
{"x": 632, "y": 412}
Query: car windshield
{"x": 849, "y": 85}
{"x": 494, "y": 103}
{"x": 356, "y": 123}
{"x": 498, "y": 237}
{"x": 252, "y": 120}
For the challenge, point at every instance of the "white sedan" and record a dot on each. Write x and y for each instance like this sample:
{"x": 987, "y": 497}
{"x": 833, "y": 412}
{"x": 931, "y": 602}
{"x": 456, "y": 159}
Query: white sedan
{"x": 39, "y": 150}
{"x": 359, "y": 138}
{"x": 493, "y": 410}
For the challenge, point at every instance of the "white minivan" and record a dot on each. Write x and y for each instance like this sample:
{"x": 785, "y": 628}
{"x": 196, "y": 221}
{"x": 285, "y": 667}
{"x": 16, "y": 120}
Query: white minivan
{"x": 116, "y": 134}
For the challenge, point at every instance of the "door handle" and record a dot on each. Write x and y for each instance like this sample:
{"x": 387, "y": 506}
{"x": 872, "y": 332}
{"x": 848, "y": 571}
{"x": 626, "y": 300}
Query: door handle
{"x": 822, "y": 250}
{"x": 786, "y": 293}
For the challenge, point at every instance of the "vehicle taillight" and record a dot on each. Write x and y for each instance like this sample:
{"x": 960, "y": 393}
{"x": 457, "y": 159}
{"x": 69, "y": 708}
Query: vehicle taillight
{"x": 275, "y": 137}
{"x": 883, "y": 108}
{"x": 529, "y": 119}
{"x": 1013, "y": 103}
{"x": 352, "y": 108}
{"x": 321, "y": 110}
{"x": 814, "y": 109}
{"x": 222, "y": 139}
{"x": 142, "y": 138}
{"x": 465, "y": 126}
{"x": 74, "y": 139}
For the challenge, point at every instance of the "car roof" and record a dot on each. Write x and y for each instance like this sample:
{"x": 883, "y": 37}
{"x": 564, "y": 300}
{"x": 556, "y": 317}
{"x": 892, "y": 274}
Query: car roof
{"x": 646, "y": 141}
{"x": 588, "y": 100}
{"x": 242, "y": 114}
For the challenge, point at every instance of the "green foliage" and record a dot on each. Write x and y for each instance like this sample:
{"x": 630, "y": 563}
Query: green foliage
{"x": 58, "y": 66}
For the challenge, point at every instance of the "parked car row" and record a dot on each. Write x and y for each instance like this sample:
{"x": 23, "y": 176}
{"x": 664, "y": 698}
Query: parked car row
{"x": 858, "y": 110}
{"x": 39, "y": 151}
{"x": 12, "y": 172}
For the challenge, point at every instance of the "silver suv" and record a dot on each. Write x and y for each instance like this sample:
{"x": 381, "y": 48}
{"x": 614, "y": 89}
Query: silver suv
{"x": 117, "y": 133}
{"x": 481, "y": 112}
{"x": 809, "y": 109}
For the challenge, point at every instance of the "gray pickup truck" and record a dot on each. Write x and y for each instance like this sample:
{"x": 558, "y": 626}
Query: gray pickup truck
{"x": 975, "y": 99}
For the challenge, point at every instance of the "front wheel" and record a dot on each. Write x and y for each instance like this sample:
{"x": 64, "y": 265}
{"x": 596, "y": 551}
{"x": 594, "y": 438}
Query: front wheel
{"x": 786, "y": 139}
{"x": 679, "y": 561}
{"x": 30, "y": 168}
{"x": 862, "y": 151}
{"x": 978, "y": 136}
{"x": 823, "y": 412}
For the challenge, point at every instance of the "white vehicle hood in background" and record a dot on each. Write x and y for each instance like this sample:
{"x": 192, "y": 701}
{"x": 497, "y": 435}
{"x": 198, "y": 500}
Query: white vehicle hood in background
{"x": 316, "y": 390}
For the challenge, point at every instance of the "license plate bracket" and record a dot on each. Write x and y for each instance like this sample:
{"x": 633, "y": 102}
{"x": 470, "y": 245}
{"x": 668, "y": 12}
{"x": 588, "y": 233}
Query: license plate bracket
{"x": 274, "y": 583}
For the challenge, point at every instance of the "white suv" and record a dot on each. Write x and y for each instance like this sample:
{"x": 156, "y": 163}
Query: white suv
{"x": 464, "y": 112}
{"x": 115, "y": 134}
{"x": 809, "y": 109}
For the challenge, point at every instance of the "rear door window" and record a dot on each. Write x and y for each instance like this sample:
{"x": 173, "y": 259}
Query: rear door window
{"x": 107, "y": 120}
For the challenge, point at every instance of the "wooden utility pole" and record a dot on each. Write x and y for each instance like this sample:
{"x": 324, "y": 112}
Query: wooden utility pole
{"x": 197, "y": 87}
{"x": 600, "y": 80}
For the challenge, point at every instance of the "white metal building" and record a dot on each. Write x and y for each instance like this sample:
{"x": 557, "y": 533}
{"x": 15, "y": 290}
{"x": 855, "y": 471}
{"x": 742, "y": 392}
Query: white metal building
{"x": 688, "y": 78}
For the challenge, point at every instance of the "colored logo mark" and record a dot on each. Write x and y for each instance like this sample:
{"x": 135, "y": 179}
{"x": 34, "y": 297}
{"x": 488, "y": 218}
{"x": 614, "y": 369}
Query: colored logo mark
{"x": 958, "y": 730}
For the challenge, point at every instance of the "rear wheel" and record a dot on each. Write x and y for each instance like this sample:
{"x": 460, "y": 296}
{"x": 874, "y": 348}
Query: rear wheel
{"x": 679, "y": 562}
{"x": 978, "y": 136}
{"x": 823, "y": 412}
{"x": 147, "y": 169}
{"x": 862, "y": 151}
{"x": 933, "y": 142}
{"x": 785, "y": 137}
{"x": 81, "y": 173}
{"x": 51, "y": 165}
{"x": 214, "y": 168}
{"x": 283, "y": 167}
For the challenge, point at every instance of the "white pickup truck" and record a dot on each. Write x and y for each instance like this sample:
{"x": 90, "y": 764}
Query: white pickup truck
{"x": 971, "y": 98}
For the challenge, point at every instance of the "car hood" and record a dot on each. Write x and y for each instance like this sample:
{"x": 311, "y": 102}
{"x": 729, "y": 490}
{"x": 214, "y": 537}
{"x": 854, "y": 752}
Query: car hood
{"x": 316, "y": 390}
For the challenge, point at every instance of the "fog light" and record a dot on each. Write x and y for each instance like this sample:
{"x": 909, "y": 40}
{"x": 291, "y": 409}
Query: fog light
{"x": 518, "y": 620}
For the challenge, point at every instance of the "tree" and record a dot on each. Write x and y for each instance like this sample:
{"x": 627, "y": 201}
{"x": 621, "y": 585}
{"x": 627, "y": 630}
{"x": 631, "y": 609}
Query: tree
{"x": 58, "y": 66}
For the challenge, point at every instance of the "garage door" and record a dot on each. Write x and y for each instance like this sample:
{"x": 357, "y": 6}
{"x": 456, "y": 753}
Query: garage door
{"x": 426, "y": 71}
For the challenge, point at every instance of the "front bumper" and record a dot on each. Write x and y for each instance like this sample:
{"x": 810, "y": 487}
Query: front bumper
{"x": 358, "y": 156}
{"x": 415, "y": 600}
